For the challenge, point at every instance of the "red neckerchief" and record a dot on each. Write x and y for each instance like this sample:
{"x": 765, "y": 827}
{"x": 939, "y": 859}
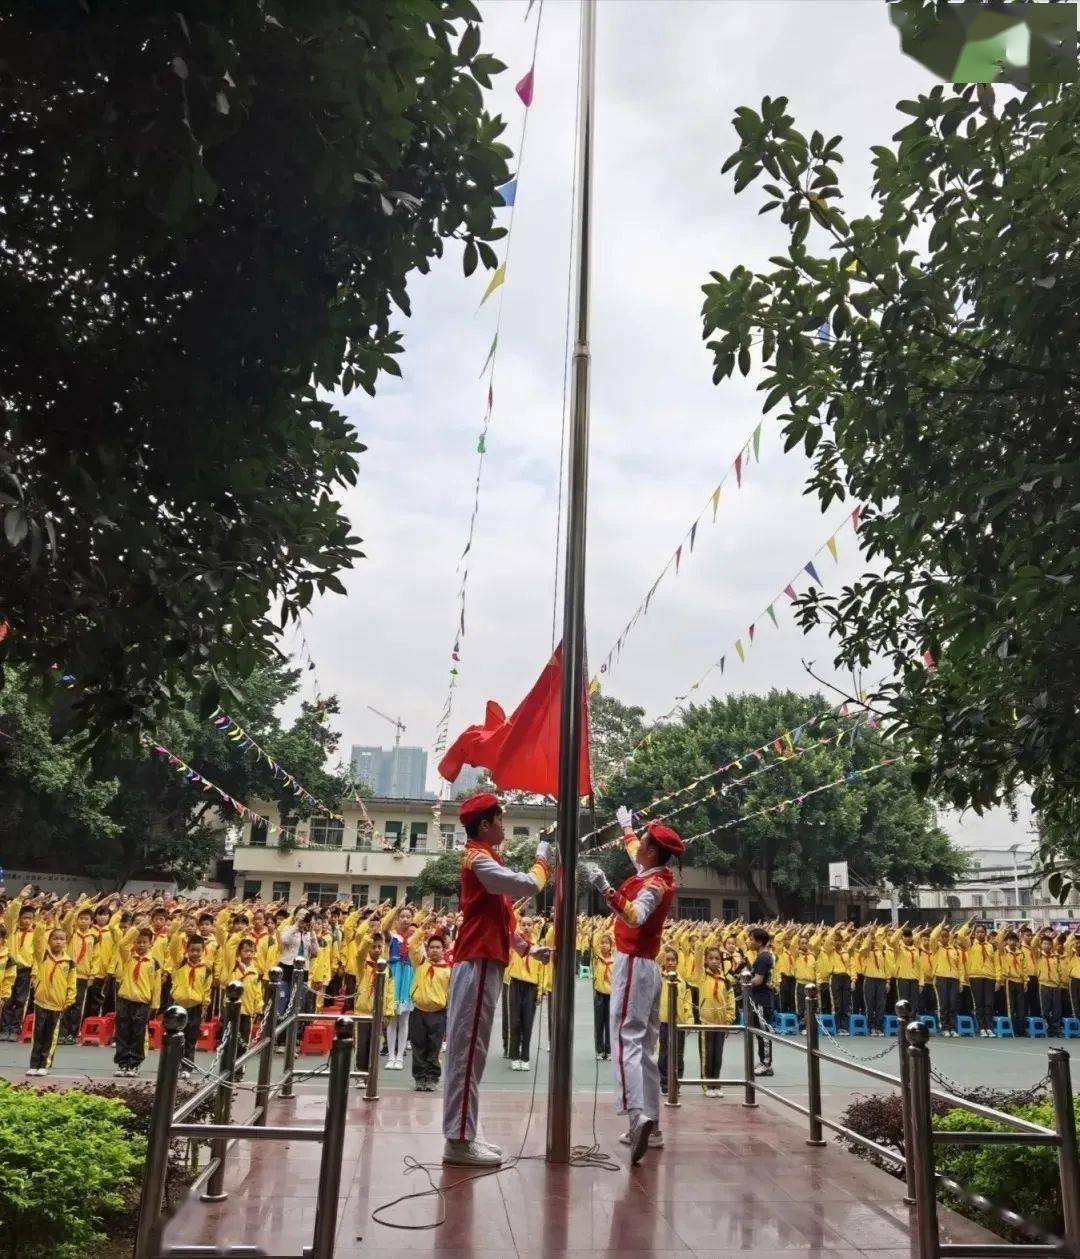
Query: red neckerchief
{"x": 55, "y": 963}
{"x": 82, "y": 946}
{"x": 138, "y": 966}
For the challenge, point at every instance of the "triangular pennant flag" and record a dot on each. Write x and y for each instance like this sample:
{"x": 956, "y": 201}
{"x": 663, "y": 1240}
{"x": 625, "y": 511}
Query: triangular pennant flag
{"x": 809, "y": 567}
{"x": 789, "y": 590}
{"x": 928, "y": 660}
{"x": 856, "y": 518}
{"x": 834, "y": 550}
{"x": 496, "y": 280}
{"x": 790, "y": 744}
{"x": 751, "y": 633}
{"x": 722, "y": 660}
{"x": 715, "y": 502}
{"x": 757, "y": 442}
{"x": 529, "y": 9}
{"x": 778, "y": 746}
{"x": 693, "y": 534}
{"x": 738, "y": 468}
{"x": 490, "y": 404}
{"x": 524, "y": 87}
{"x": 678, "y": 558}
{"x": 481, "y": 446}
{"x": 740, "y": 649}
{"x": 823, "y": 332}
{"x": 772, "y": 614}
{"x": 490, "y": 353}
{"x": 507, "y": 192}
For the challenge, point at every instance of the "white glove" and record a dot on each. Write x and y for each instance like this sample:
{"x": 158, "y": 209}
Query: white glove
{"x": 624, "y": 817}
{"x": 595, "y": 876}
{"x": 545, "y": 852}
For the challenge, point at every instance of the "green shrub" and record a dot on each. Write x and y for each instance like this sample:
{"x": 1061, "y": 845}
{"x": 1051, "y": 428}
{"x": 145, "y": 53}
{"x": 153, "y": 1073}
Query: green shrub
{"x": 65, "y": 1160}
{"x": 1023, "y": 1178}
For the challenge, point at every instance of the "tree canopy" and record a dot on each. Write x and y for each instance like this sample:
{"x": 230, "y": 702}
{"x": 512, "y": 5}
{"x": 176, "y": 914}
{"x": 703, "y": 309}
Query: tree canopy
{"x": 210, "y": 215}
{"x": 927, "y": 357}
{"x": 134, "y": 813}
{"x": 877, "y": 823}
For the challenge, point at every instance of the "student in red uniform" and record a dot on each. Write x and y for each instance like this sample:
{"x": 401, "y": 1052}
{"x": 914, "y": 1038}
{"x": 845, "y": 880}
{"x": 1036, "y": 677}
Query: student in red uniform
{"x": 481, "y": 954}
{"x": 640, "y": 907}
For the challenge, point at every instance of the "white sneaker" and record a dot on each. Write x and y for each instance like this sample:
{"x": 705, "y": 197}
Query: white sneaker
{"x": 32, "y": 1071}
{"x": 714, "y": 1092}
{"x": 43, "y": 1071}
{"x": 656, "y": 1139}
{"x": 524, "y": 1065}
{"x": 470, "y": 1154}
{"x": 515, "y": 1065}
{"x": 639, "y": 1139}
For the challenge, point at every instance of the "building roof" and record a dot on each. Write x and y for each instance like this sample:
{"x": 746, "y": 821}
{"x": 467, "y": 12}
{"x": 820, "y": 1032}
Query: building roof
{"x": 383, "y": 803}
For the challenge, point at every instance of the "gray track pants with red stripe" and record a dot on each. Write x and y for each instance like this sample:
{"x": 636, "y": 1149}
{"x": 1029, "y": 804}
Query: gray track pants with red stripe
{"x": 474, "y": 993}
{"x": 635, "y": 1035}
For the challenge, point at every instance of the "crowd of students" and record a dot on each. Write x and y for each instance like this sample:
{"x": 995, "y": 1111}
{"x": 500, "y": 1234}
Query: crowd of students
{"x": 63, "y": 961}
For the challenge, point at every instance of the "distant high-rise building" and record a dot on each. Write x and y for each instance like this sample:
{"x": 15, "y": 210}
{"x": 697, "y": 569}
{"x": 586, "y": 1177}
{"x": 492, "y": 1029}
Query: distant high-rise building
{"x": 466, "y": 782}
{"x": 396, "y": 771}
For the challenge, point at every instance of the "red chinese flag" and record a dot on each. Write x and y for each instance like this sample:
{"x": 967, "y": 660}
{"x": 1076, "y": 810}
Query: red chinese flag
{"x": 522, "y": 752}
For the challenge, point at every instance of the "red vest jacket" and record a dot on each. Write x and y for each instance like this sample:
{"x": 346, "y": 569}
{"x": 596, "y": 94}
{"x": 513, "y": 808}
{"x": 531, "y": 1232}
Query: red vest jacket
{"x": 644, "y": 940}
{"x": 487, "y": 917}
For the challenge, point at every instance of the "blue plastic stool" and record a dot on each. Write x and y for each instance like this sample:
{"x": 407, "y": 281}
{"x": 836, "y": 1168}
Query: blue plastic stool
{"x": 890, "y": 1025}
{"x": 787, "y": 1024}
{"x": 1003, "y": 1025}
{"x": 827, "y": 1023}
{"x": 584, "y": 972}
{"x": 930, "y": 1020}
{"x": 857, "y": 1025}
{"x": 1070, "y": 1028}
{"x": 739, "y": 1019}
{"x": 965, "y": 1025}
{"x": 1036, "y": 1027}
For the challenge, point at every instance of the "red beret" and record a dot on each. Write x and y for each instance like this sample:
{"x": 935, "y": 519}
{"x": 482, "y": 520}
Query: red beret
{"x": 476, "y": 806}
{"x": 666, "y": 838}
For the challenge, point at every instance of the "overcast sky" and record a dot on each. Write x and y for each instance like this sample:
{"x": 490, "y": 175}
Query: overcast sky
{"x": 669, "y": 75}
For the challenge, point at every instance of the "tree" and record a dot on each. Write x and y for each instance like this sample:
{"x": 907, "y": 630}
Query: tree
{"x": 210, "y": 215}
{"x": 876, "y": 823}
{"x": 138, "y": 814}
{"x": 927, "y": 357}
{"x": 441, "y": 875}
{"x": 615, "y": 729}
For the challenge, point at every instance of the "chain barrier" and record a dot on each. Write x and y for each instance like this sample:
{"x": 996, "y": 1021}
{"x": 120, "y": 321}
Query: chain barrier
{"x": 986, "y": 1096}
{"x": 1005, "y": 1216}
{"x": 884, "y": 1053}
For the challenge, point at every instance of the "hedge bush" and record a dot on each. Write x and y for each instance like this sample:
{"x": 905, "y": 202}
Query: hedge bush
{"x": 65, "y": 1161}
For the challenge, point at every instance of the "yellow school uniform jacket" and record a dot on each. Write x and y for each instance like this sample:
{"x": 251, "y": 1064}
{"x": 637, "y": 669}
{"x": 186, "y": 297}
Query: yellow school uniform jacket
{"x": 191, "y": 984}
{"x": 1071, "y": 966}
{"x": 1048, "y": 971}
{"x": 528, "y": 969}
{"x": 601, "y": 974}
{"x": 716, "y": 1000}
{"x": 251, "y": 1003}
{"x": 322, "y": 964}
{"x": 873, "y": 959}
{"x": 139, "y": 979}
{"x": 948, "y": 961}
{"x": 21, "y": 945}
{"x": 804, "y": 967}
{"x": 430, "y": 986}
{"x": 1011, "y": 966}
{"x": 81, "y": 948}
{"x": 105, "y": 953}
{"x": 267, "y": 952}
{"x": 365, "y": 991}
{"x": 981, "y": 960}
{"x": 54, "y": 982}
{"x": 685, "y": 1007}
{"x": 7, "y": 975}
{"x": 904, "y": 959}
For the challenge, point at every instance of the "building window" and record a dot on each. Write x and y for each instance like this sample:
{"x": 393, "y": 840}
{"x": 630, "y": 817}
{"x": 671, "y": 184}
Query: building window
{"x": 446, "y": 831}
{"x": 446, "y": 904}
{"x": 418, "y": 836}
{"x": 252, "y": 889}
{"x": 392, "y": 835}
{"x": 257, "y": 838}
{"x": 731, "y": 910}
{"x": 412, "y": 896}
{"x": 521, "y": 832}
{"x": 321, "y": 893}
{"x": 287, "y": 834}
{"x": 325, "y": 832}
{"x": 282, "y": 891}
{"x": 977, "y": 900}
{"x": 695, "y": 907}
{"x": 388, "y": 892}
{"x": 360, "y": 893}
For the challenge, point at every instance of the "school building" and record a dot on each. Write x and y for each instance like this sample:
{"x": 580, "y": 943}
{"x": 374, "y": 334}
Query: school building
{"x": 332, "y": 860}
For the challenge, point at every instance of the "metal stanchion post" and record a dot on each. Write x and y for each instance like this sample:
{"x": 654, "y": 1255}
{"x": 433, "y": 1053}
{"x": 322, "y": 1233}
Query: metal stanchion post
{"x": 904, "y": 1013}
{"x": 215, "y": 1186}
{"x": 157, "y": 1152}
{"x": 337, "y": 1104}
{"x": 299, "y": 983}
{"x": 1068, "y": 1159}
{"x": 378, "y": 1001}
{"x": 813, "y": 1065}
{"x": 672, "y": 981}
{"x": 750, "y": 1097}
{"x": 922, "y": 1143}
{"x": 266, "y": 1057}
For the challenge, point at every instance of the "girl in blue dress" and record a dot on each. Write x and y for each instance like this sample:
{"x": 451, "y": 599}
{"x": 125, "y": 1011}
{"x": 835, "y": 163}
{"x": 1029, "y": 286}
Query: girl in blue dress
{"x": 398, "y": 927}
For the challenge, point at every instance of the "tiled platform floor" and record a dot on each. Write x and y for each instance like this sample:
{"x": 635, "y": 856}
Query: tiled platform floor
{"x": 730, "y": 1181}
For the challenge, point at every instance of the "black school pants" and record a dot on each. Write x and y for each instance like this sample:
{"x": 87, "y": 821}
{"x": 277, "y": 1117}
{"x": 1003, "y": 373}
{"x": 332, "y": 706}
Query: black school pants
{"x": 602, "y": 1022}
{"x": 522, "y": 1002}
{"x": 982, "y": 994}
{"x": 46, "y": 1034}
{"x": 131, "y": 1020}
{"x": 427, "y": 1031}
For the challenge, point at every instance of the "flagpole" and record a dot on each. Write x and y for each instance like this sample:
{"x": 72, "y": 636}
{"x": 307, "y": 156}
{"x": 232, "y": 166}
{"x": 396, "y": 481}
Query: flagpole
{"x": 560, "y": 1091}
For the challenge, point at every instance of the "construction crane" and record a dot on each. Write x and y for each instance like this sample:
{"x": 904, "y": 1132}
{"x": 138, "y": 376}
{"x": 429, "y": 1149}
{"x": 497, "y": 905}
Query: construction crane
{"x": 394, "y": 721}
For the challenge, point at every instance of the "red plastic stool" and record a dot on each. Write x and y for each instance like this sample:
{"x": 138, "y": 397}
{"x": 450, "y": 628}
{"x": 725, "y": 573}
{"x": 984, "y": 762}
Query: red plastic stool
{"x": 155, "y": 1031}
{"x": 335, "y": 1005}
{"x": 27, "y": 1033}
{"x": 98, "y": 1030}
{"x": 317, "y": 1038}
{"x": 209, "y": 1035}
